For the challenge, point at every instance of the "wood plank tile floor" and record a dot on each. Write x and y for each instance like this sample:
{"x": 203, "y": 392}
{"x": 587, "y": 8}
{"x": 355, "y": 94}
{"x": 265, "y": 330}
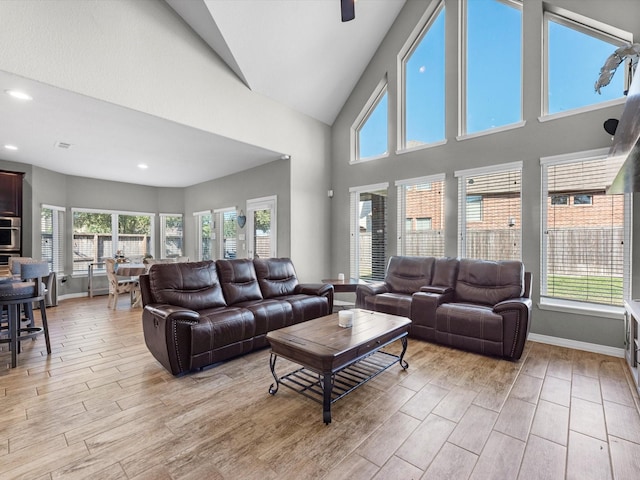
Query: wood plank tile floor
{"x": 101, "y": 407}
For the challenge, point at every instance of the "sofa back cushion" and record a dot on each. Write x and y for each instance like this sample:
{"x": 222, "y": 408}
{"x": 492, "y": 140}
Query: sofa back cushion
{"x": 189, "y": 285}
{"x": 408, "y": 274}
{"x": 276, "y": 276}
{"x": 445, "y": 272}
{"x": 488, "y": 282}
{"x": 239, "y": 281}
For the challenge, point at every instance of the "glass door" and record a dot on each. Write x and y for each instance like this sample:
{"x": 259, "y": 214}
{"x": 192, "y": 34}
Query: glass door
{"x": 262, "y": 227}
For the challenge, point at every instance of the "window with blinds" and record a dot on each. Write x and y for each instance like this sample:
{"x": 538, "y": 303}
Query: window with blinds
{"x": 134, "y": 235}
{"x": 204, "y": 235}
{"x": 490, "y": 212}
{"x": 421, "y": 216}
{"x": 99, "y": 234}
{"x": 368, "y": 213}
{"x": 226, "y": 229}
{"x": 52, "y": 237}
{"x": 171, "y": 235}
{"x": 586, "y": 232}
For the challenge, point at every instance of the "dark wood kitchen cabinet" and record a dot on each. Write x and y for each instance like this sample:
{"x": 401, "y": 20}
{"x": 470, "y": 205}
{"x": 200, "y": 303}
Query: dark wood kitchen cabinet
{"x": 11, "y": 194}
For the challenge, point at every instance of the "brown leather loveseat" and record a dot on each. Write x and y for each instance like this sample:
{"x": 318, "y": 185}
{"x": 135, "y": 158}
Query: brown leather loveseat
{"x": 200, "y": 313}
{"x": 477, "y": 305}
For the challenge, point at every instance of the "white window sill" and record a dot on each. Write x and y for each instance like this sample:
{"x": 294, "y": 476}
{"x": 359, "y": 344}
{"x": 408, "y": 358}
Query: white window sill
{"x": 576, "y": 111}
{"x": 491, "y": 131}
{"x": 581, "y": 308}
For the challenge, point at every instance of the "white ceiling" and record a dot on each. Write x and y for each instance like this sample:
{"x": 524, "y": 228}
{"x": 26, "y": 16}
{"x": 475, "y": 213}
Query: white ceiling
{"x": 296, "y": 52}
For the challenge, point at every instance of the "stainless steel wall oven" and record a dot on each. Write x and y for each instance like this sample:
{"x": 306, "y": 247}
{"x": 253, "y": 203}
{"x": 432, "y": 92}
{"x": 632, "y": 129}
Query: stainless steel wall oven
{"x": 10, "y": 238}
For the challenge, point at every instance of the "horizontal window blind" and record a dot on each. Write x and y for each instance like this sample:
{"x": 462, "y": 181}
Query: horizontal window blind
{"x": 421, "y": 216}
{"x": 225, "y": 233}
{"x": 490, "y": 212}
{"x": 586, "y": 235}
{"x": 52, "y": 237}
{"x": 171, "y": 235}
{"x": 204, "y": 235}
{"x": 368, "y": 251}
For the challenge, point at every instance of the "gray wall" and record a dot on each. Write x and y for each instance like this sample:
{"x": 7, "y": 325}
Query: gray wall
{"x": 234, "y": 191}
{"x": 527, "y": 144}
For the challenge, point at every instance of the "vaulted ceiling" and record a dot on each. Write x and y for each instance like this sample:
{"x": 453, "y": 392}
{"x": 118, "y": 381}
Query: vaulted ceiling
{"x": 296, "y": 52}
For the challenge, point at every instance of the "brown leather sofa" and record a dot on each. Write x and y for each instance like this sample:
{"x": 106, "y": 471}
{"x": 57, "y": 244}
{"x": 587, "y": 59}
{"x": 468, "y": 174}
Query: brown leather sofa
{"x": 200, "y": 313}
{"x": 477, "y": 305}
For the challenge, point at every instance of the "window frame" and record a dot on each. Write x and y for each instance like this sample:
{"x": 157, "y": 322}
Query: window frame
{"x": 586, "y": 26}
{"x": 219, "y": 214}
{"x": 58, "y": 257}
{"x": 198, "y": 217}
{"x": 114, "y": 232}
{"x": 548, "y": 302}
{"x": 163, "y": 233}
{"x": 401, "y": 187}
{"x": 462, "y": 176}
{"x": 256, "y": 204}
{"x": 369, "y": 107}
{"x": 354, "y": 222}
{"x": 462, "y": 75}
{"x": 414, "y": 40}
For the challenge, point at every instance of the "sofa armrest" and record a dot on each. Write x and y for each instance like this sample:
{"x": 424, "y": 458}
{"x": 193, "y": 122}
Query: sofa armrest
{"x": 436, "y": 289}
{"x": 172, "y": 312}
{"x": 424, "y": 306}
{"x": 512, "y": 303}
{"x": 516, "y": 321}
{"x": 318, "y": 289}
{"x": 167, "y": 334}
{"x": 366, "y": 290}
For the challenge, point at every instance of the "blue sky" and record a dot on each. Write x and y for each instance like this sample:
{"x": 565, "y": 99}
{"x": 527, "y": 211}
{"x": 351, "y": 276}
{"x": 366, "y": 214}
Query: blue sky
{"x": 494, "y": 78}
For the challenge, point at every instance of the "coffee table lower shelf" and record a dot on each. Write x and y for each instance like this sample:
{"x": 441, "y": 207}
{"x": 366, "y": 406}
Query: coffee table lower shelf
{"x": 312, "y": 384}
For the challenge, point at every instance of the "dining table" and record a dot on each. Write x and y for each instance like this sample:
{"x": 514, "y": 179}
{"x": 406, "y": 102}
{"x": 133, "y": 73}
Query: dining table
{"x": 130, "y": 269}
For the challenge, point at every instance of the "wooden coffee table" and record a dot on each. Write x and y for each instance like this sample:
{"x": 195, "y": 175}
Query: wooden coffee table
{"x": 336, "y": 360}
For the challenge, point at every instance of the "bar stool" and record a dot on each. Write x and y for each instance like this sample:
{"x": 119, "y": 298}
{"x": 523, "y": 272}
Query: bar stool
{"x": 13, "y": 294}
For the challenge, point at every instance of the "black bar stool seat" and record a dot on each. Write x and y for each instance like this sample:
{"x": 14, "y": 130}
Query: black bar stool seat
{"x": 13, "y": 294}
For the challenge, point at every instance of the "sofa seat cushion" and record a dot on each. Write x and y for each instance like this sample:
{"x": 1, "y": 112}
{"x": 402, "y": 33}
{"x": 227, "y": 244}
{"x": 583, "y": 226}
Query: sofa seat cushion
{"x": 306, "y": 307}
{"x": 269, "y": 314}
{"x": 470, "y": 327}
{"x": 391, "y": 303}
{"x": 218, "y": 327}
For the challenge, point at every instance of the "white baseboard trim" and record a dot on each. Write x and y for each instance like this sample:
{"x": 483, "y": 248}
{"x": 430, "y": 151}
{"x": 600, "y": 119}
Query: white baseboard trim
{"x": 575, "y": 344}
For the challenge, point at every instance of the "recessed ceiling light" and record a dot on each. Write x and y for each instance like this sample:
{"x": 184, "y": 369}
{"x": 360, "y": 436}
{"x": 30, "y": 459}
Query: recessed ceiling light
{"x": 143, "y": 166}
{"x": 19, "y": 95}
{"x": 10, "y": 147}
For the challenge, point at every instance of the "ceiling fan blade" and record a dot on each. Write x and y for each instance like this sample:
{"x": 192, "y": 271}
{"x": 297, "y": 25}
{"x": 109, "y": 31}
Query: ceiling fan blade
{"x": 348, "y": 9}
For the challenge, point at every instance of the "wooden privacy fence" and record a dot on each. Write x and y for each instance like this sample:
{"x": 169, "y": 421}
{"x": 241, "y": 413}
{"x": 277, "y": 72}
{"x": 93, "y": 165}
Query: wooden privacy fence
{"x": 573, "y": 252}
{"x": 95, "y": 247}
{"x": 593, "y": 251}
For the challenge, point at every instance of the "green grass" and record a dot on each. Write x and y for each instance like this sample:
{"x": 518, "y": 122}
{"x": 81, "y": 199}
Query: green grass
{"x": 591, "y": 289}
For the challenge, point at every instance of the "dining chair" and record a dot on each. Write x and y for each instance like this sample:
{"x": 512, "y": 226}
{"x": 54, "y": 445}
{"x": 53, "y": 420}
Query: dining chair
{"x": 119, "y": 285}
{"x": 28, "y": 289}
